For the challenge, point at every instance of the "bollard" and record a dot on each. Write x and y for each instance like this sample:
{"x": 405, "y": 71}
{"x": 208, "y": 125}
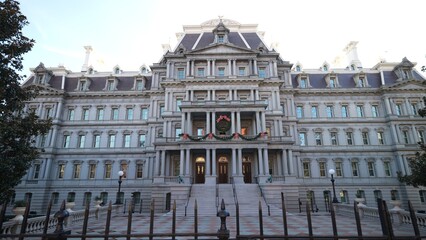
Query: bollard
{"x": 223, "y": 232}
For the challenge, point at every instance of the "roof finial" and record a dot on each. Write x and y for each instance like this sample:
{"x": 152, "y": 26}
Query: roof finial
{"x": 220, "y": 17}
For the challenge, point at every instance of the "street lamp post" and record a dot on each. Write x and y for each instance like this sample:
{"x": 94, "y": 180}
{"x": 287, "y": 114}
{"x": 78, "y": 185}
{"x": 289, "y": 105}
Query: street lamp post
{"x": 118, "y": 199}
{"x": 331, "y": 171}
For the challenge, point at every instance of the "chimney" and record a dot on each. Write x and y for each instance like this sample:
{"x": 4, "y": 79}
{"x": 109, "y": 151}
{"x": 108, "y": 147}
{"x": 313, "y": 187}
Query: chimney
{"x": 86, "y": 60}
{"x": 352, "y": 54}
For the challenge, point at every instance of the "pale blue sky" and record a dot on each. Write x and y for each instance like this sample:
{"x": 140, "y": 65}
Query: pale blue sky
{"x": 130, "y": 32}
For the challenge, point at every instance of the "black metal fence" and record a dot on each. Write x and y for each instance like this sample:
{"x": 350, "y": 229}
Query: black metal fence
{"x": 222, "y": 231}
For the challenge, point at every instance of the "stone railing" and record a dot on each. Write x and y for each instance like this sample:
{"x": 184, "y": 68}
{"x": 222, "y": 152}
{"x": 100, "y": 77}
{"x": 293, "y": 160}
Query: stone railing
{"x": 399, "y": 216}
{"x": 36, "y": 225}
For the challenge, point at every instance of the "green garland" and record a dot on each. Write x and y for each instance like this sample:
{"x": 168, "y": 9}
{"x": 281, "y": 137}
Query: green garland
{"x": 221, "y": 137}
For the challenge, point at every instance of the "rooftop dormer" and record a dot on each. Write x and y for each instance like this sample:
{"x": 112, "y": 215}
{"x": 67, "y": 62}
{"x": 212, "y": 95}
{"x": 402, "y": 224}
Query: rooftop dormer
{"x": 42, "y": 75}
{"x": 404, "y": 70}
{"x": 221, "y": 33}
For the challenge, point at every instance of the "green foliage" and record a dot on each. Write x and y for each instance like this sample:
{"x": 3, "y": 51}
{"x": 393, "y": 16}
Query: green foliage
{"x": 17, "y": 128}
{"x": 418, "y": 170}
{"x": 20, "y": 203}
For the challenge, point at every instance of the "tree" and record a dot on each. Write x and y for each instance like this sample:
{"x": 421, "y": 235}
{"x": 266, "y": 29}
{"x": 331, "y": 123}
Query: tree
{"x": 17, "y": 128}
{"x": 418, "y": 164}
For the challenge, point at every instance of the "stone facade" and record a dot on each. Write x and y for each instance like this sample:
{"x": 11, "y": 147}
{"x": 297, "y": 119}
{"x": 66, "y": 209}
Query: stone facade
{"x": 220, "y": 108}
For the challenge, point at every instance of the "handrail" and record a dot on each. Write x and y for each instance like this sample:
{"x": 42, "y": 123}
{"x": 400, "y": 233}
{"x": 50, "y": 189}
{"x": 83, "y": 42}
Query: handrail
{"x": 189, "y": 196}
{"x": 264, "y": 199}
{"x": 234, "y": 192}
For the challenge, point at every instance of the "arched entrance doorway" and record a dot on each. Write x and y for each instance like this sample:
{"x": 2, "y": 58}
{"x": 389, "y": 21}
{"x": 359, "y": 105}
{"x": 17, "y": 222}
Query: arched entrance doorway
{"x": 247, "y": 169}
{"x": 223, "y": 169}
{"x": 200, "y": 166}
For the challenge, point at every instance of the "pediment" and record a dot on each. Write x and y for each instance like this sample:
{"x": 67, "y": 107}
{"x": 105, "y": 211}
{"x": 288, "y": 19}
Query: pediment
{"x": 409, "y": 85}
{"x": 222, "y": 49}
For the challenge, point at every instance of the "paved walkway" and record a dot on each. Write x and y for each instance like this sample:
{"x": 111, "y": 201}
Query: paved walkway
{"x": 297, "y": 225}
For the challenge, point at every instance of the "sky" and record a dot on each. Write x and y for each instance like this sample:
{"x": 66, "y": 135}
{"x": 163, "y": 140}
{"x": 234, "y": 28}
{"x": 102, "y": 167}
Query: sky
{"x": 129, "y": 33}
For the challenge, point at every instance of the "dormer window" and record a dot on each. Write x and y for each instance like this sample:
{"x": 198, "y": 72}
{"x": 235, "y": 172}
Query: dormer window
{"x": 42, "y": 75}
{"x": 353, "y": 67}
{"x": 90, "y": 71}
{"x": 361, "y": 80}
{"x": 404, "y": 70}
{"x": 220, "y": 38}
{"x": 111, "y": 84}
{"x": 325, "y": 68}
{"x": 39, "y": 78}
{"x": 332, "y": 81}
{"x": 303, "y": 80}
{"x": 298, "y": 68}
{"x": 139, "y": 84}
{"x": 221, "y": 33}
{"x": 117, "y": 70}
{"x": 83, "y": 84}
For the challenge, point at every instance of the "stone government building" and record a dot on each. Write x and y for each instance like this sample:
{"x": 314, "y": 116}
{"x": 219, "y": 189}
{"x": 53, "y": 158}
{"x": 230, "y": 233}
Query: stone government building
{"x": 222, "y": 107}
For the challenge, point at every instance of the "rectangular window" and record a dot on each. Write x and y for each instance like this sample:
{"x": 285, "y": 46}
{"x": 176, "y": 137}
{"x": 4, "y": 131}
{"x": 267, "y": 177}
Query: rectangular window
{"x": 61, "y": 171}
{"x": 262, "y": 72}
{"x": 139, "y": 85}
{"x": 48, "y": 112}
{"x": 200, "y": 72}
{"x": 332, "y": 83}
{"x": 414, "y": 108}
{"x": 349, "y": 138}
{"x": 161, "y": 110}
{"x": 405, "y": 136}
{"x": 303, "y": 83}
{"x": 371, "y": 169}
{"x": 339, "y": 169}
{"x": 43, "y": 140}
{"x": 377, "y": 194}
{"x": 178, "y": 131}
{"x": 76, "y": 172}
{"x": 96, "y": 141}
{"x": 111, "y": 141}
{"x": 398, "y": 109}
{"x": 329, "y": 110}
{"x": 114, "y": 114}
{"x": 126, "y": 140}
{"x": 359, "y": 111}
{"x": 181, "y": 73}
{"x": 55, "y": 197}
{"x": 422, "y": 194}
{"x": 81, "y": 141}
{"x": 139, "y": 170}
{"x": 178, "y": 104}
{"x": 142, "y": 139}
{"x": 380, "y": 138}
{"x": 221, "y": 72}
{"x": 100, "y": 114}
{"x": 108, "y": 168}
{"x": 220, "y": 39}
{"x": 110, "y": 85}
{"x": 375, "y": 111}
{"x": 306, "y": 169}
{"x": 87, "y": 198}
{"x": 361, "y": 82}
{"x": 421, "y": 136}
{"x": 302, "y": 139}
{"x": 123, "y": 167}
{"x": 344, "y": 111}
{"x": 388, "y": 169}
{"x": 299, "y": 112}
{"x": 200, "y": 131}
{"x": 92, "y": 171}
{"x": 241, "y": 71}
{"x": 82, "y": 85}
{"x": 66, "y": 141}
{"x": 333, "y": 137}
{"x": 365, "y": 138}
{"x": 144, "y": 113}
{"x": 355, "y": 171}
{"x": 314, "y": 112}
{"x": 36, "y": 171}
{"x": 85, "y": 115}
{"x": 344, "y": 196}
{"x": 318, "y": 139}
{"x": 129, "y": 113}
{"x": 71, "y": 114}
{"x": 322, "y": 169}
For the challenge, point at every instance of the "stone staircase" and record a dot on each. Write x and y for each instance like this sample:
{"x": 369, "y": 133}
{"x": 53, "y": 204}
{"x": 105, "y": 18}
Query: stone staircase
{"x": 249, "y": 197}
{"x": 205, "y": 195}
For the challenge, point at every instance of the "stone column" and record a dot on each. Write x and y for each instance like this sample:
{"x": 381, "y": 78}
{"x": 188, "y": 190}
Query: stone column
{"x": 188, "y": 68}
{"x": 238, "y": 122}
{"x": 240, "y": 162}
{"x": 208, "y": 122}
{"x": 275, "y": 68}
{"x": 189, "y": 124}
{"x": 213, "y": 122}
{"x": 266, "y": 161}
{"x": 388, "y": 106}
{"x": 255, "y": 67}
{"x": 208, "y": 67}
{"x": 208, "y": 163}
{"x": 187, "y": 162}
{"x": 214, "y": 162}
{"x": 250, "y": 67}
{"x": 163, "y": 163}
{"x": 183, "y": 123}
{"x": 193, "y": 68}
{"x": 263, "y": 121}
{"x": 181, "y": 162}
{"x": 168, "y": 70}
{"x": 260, "y": 161}
{"x": 234, "y": 162}
{"x": 290, "y": 162}
{"x": 235, "y": 67}
{"x": 232, "y": 122}
{"x": 284, "y": 162}
{"x": 157, "y": 163}
{"x": 415, "y": 135}
{"x": 214, "y": 67}
{"x": 258, "y": 122}
{"x": 229, "y": 68}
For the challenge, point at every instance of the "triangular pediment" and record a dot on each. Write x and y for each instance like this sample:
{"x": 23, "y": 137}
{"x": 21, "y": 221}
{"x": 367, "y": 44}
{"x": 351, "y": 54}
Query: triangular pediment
{"x": 409, "y": 85}
{"x": 221, "y": 48}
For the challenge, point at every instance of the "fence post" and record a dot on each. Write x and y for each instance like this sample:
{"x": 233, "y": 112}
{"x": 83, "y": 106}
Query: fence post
{"x": 284, "y": 210}
{"x": 223, "y": 232}
{"x": 414, "y": 220}
{"x": 61, "y": 215}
